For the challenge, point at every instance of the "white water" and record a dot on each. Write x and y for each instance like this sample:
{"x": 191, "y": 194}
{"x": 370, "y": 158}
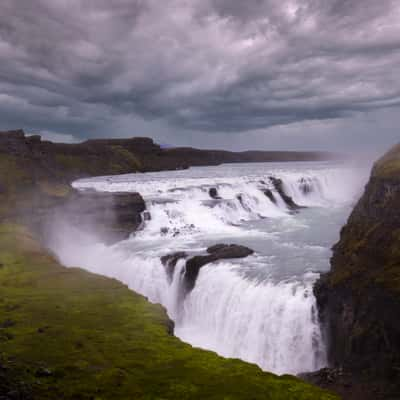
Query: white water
{"x": 261, "y": 308}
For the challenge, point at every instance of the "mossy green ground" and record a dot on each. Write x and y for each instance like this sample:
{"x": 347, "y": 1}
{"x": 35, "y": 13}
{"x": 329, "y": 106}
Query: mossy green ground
{"x": 389, "y": 165}
{"x": 99, "y": 340}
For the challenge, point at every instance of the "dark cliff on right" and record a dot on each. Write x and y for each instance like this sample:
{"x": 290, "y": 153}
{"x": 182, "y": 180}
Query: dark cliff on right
{"x": 359, "y": 299}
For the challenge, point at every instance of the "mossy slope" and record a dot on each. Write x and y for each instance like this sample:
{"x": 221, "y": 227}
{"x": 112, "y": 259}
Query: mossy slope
{"x": 69, "y": 334}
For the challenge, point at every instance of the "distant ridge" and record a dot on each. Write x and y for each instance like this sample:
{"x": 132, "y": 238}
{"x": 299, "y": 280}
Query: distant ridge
{"x": 118, "y": 156}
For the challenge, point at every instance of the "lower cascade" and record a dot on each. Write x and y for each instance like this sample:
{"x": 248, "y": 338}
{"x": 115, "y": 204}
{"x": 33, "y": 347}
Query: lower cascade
{"x": 259, "y": 307}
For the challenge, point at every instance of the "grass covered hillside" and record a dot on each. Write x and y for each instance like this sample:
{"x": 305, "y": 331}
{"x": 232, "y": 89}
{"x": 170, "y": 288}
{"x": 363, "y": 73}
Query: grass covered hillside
{"x": 69, "y": 334}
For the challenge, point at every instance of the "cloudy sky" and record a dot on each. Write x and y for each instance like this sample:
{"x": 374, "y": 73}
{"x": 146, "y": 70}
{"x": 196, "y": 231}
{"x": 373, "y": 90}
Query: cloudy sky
{"x": 235, "y": 74}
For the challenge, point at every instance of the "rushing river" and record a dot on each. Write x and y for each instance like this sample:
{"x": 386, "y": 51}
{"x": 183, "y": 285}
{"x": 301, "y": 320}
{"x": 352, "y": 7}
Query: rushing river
{"x": 260, "y": 308}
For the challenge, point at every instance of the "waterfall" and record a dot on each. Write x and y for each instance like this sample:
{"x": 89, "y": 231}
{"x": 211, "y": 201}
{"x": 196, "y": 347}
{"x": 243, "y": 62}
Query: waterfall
{"x": 260, "y": 308}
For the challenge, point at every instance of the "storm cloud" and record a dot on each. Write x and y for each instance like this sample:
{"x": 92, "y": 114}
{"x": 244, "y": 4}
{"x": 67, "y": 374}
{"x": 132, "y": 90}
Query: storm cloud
{"x": 218, "y": 67}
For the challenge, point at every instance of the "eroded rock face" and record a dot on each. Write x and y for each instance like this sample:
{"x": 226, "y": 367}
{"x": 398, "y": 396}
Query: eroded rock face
{"x": 114, "y": 215}
{"x": 359, "y": 299}
{"x": 110, "y": 216}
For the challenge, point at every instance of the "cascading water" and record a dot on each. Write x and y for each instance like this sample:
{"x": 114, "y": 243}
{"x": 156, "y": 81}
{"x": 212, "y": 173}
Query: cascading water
{"x": 260, "y": 308}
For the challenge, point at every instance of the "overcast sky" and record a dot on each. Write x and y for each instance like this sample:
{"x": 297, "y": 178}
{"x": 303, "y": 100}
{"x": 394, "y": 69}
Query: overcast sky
{"x": 235, "y": 74}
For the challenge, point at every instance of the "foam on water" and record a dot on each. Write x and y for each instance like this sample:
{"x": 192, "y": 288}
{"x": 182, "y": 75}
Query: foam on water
{"x": 261, "y": 308}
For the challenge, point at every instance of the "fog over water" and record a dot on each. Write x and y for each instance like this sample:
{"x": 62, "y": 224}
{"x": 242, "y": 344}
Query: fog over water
{"x": 260, "y": 308}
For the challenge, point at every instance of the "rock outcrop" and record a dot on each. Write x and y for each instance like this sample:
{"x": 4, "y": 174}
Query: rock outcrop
{"x": 113, "y": 216}
{"x": 195, "y": 263}
{"x": 278, "y": 186}
{"x": 359, "y": 299}
{"x": 215, "y": 253}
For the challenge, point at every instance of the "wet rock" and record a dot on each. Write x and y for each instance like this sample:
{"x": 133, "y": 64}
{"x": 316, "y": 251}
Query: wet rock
{"x": 270, "y": 195}
{"x": 214, "y": 194}
{"x": 170, "y": 327}
{"x": 229, "y": 251}
{"x": 215, "y": 253}
{"x": 278, "y": 186}
{"x": 170, "y": 260}
{"x": 242, "y": 202}
{"x": 305, "y": 186}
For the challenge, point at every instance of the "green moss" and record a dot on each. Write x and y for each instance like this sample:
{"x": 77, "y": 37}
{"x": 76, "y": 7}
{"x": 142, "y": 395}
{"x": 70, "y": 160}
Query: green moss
{"x": 128, "y": 157}
{"x": 99, "y": 340}
{"x": 389, "y": 165}
{"x": 54, "y": 189}
{"x": 117, "y": 160}
{"x": 71, "y": 163}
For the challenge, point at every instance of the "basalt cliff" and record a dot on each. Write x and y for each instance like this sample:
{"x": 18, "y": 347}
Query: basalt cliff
{"x": 359, "y": 299}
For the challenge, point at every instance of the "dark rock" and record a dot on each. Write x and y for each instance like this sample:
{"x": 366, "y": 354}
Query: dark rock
{"x": 170, "y": 260}
{"x": 359, "y": 299}
{"x": 278, "y": 186}
{"x": 270, "y": 195}
{"x": 242, "y": 203}
{"x": 214, "y": 194}
{"x": 146, "y": 216}
{"x": 170, "y": 327}
{"x": 114, "y": 216}
{"x": 164, "y": 230}
{"x": 229, "y": 251}
{"x": 217, "y": 252}
{"x": 305, "y": 186}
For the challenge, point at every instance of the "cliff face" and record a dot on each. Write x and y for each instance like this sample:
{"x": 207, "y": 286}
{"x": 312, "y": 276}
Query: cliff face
{"x": 359, "y": 299}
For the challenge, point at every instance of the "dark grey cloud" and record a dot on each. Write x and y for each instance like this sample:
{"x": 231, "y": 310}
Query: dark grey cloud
{"x": 103, "y": 67}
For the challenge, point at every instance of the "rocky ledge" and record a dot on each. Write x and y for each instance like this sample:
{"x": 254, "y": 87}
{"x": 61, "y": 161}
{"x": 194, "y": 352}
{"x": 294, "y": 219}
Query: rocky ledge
{"x": 195, "y": 263}
{"x": 359, "y": 299}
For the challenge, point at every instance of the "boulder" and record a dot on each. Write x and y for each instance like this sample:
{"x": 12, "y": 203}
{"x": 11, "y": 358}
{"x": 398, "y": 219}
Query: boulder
{"x": 229, "y": 251}
{"x": 214, "y": 194}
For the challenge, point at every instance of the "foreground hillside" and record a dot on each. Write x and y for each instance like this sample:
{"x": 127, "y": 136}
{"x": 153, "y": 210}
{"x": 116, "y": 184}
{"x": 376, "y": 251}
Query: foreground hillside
{"x": 360, "y": 298}
{"x": 69, "y": 334}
